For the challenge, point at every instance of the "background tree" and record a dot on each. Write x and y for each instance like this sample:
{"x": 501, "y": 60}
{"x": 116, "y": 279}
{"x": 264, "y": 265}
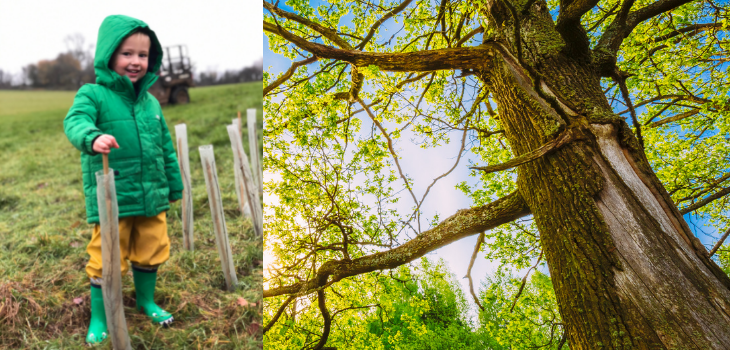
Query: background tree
{"x": 538, "y": 92}
{"x": 253, "y": 72}
{"x": 6, "y": 80}
{"x": 406, "y": 308}
{"x": 84, "y": 54}
{"x": 64, "y": 72}
{"x": 533, "y": 323}
{"x": 68, "y": 70}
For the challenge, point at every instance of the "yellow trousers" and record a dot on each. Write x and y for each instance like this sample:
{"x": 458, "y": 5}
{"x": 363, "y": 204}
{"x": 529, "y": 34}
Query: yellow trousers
{"x": 142, "y": 240}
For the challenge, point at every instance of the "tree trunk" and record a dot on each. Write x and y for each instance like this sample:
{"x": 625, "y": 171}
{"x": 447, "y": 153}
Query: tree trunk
{"x": 627, "y": 270}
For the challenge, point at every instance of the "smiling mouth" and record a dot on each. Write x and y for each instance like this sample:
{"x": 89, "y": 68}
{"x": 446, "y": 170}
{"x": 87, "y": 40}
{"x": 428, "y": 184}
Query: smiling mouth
{"x": 133, "y": 72}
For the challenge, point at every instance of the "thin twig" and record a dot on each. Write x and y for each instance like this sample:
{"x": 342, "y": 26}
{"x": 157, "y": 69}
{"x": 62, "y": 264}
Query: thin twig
{"x": 480, "y": 240}
{"x": 719, "y": 243}
{"x": 392, "y": 151}
{"x": 524, "y": 280}
{"x": 458, "y": 159}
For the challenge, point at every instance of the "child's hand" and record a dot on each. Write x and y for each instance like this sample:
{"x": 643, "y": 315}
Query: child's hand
{"x": 104, "y": 143}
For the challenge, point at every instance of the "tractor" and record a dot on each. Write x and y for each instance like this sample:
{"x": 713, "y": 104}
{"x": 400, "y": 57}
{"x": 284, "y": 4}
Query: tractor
{"x": 175, "y": 76}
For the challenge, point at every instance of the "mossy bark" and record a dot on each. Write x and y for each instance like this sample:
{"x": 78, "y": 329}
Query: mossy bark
{"x": 627, "y": 271}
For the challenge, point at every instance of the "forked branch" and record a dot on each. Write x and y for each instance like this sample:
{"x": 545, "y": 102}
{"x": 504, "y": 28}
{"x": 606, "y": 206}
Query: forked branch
{"x": 622, "y": 26}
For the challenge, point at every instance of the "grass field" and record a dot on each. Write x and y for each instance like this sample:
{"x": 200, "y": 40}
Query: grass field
{"x": 43, "y": 234}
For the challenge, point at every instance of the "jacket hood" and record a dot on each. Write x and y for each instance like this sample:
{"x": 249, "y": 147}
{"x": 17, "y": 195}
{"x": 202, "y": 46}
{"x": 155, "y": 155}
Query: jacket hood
{"x": 114, "y": 29}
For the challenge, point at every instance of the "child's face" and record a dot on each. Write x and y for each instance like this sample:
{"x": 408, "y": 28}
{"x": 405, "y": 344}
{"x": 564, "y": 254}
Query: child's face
{"x": 131, "y": 57}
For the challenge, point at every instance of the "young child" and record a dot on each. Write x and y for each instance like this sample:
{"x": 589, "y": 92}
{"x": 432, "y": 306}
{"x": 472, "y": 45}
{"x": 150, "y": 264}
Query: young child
{"x": 118, "y": 117}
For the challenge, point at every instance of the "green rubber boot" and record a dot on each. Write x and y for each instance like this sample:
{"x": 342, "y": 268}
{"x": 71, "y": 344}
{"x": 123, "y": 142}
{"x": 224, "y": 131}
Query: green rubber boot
{"x": 144, "y": 285}
{"x": 98, "y": 330}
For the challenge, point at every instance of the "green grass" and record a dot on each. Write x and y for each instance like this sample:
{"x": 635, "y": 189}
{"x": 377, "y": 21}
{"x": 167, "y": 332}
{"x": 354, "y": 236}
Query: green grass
{"x": 43, "y": 233}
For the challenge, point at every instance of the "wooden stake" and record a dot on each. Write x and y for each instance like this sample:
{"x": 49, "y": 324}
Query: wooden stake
{"x": 254, "y": 149}
{"x": 240, "y": 126}
{"x": 243, "y": 204}
{"x": 181, "y": 134}
{"x": 207, "y": 159}
{"x": 111, "y": 259}
{"x": 249, "y": 191}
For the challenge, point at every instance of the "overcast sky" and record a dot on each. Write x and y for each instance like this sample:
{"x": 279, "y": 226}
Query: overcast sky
{"x": 220, "y": 34}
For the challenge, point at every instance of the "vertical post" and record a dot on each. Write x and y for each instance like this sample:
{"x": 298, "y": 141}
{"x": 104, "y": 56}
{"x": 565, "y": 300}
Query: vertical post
{"x": 240, "y": 125}
{"x": 241, "y": 191}
{"x": 252, "y": 196}
{"x": 207, "y": 159}
{"x": 254, "y": 150}
{"x": 181, "y": 134}
{"x": 111, "y": 289}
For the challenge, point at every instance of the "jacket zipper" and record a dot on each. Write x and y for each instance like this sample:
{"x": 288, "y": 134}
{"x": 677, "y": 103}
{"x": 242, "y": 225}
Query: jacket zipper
{"x": 141, "y": 151}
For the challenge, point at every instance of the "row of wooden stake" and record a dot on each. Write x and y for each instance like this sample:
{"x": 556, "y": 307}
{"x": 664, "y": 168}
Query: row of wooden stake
{"x": 249, "y": 187}
{"x": 248, "y": 183}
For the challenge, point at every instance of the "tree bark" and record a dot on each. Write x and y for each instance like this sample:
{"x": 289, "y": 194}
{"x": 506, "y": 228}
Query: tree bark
{"x": 627, "y": 271}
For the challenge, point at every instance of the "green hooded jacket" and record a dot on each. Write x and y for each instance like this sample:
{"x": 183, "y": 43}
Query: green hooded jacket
{"x": 147, "y": 175}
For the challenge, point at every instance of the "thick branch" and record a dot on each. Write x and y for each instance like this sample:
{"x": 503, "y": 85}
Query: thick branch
{"x": 327, "y": 321}
{"x": 572, "y": 11}
{"x": 468, "y": 36}
{"x": 674, "y": 118}
{"x": 705, "y": 201}
{"x": 653, "y": 10}
{"x": 689, "y": 30}
{"x": 622, "y": 26}
{"x": 357, "y": 81}
{"x": 560, "y": 141}
{"x": 288, "y": 74}
{"x": 454, "y": 58}
{"x": 278, "y": 314}
{"x": 464, "y": 223}
{"x": 569, "y": 26}
{"x": 328, "y": 33}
